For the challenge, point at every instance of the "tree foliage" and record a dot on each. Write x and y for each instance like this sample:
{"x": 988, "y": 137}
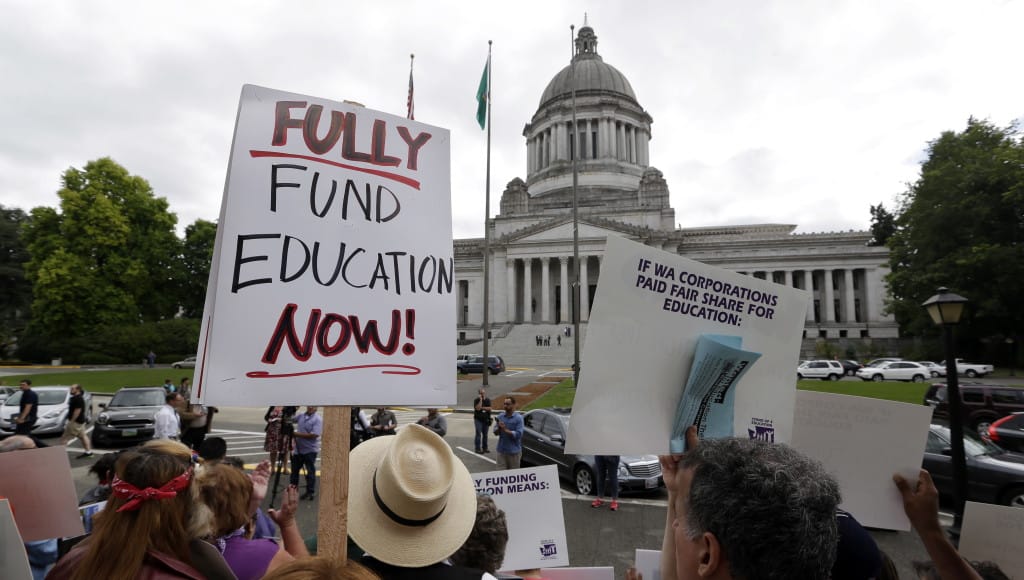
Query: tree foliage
{"x": 961, "y": 225}
{"x": 109, "y": 256}
{"x": 197, "y": 255}
{"x": 883, "y": 225}
{"x": 15, "y": 290}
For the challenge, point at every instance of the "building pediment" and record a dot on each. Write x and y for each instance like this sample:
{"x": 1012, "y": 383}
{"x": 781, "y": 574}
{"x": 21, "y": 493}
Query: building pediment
{"x": 561, "y": 229}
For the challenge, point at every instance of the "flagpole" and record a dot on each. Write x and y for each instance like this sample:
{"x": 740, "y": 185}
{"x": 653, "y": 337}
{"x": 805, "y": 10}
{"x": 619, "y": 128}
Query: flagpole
{"x": 487, "y": 230}
{"x": 575, "y": 219}
{"x": 410, "y": 105}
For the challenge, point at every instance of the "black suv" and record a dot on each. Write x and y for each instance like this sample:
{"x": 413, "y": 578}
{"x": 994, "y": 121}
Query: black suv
{"x": 982, "y": 404}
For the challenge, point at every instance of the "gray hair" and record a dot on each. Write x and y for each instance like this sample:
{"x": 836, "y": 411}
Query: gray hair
{"x": 485, "y": 547}
{"x": 772, "y": 510}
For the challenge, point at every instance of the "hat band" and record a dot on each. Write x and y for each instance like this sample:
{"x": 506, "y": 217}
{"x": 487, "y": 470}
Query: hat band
{"x": 397, "y": 518}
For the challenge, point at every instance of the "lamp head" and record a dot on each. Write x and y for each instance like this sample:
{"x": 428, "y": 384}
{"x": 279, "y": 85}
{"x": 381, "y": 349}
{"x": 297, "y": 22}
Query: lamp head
{"x": 945, "y": 307}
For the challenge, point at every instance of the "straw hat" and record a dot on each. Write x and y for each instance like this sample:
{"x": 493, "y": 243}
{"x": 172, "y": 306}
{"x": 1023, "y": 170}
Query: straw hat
{"x": 412, "y": 503}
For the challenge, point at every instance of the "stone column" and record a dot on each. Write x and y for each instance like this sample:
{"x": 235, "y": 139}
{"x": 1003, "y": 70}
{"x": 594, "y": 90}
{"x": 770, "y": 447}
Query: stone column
{"x": 613, "y": 138}
{"x": 787, "y": 278}
{"x": 829, "y": 315}
{"x": 527, "y": 289}
{"x": 529, "y": 156}
{"x": 848, "y": 296}
{"x": 545, "y": 288}
{"x": 564, "y": 290}
{"x": 584, "y": 290}
{"x": 510, "y": 287}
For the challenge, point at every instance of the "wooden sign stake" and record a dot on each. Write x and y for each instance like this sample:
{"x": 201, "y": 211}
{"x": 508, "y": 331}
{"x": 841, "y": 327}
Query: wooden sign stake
{"x": 332, "y": 514}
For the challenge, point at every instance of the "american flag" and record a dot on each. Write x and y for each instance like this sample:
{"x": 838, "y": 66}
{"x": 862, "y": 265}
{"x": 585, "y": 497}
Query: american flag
{"x": 410, "y": 104}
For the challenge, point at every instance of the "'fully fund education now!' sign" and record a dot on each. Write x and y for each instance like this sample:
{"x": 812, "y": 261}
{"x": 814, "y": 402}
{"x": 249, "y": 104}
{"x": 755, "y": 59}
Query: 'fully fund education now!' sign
{"x": 333, "y": 270}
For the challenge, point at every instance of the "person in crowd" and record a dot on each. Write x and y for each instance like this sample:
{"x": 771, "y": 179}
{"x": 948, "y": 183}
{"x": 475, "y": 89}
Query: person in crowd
{"x": 17, "y": 442}
{"x": 740, "y": 508}
{"x": 435, "y": 422}
{"x": 227, "y": 494}
{"x": 921, "y": 504}
{"x": 607, "y": 480}
{"x": 75, "y": 427}
{"x": 322, "y": 568}
{"x": 509, "y": 429}
{"x": 213, "y": 450}
{"x": 383, "y": 422}
{"x": 274, "y": 440}
{"x": 308, "y": 428}
{"x": 195, "y": 421}
{"x": 359, "y": 430}
{"x": 481, "y": 420}
{"x": 144, "y": 531}
{"x": 103, "y": 469}
{"x": 151, "y": 359}
{"x": 165, "y": 420}
{"x": 412, "y": 504}
{"x": 485, "y": 547}
{"x": 185, "y": 388}
{"x": 857, "y": 554}
{"x": 169, "y": 386}
{"x": 28, "y": 409}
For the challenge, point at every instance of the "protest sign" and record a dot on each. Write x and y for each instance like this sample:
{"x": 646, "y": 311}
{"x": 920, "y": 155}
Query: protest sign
{"x": 650, "y": 311}
{"x": 532, "y": 501}
{"x": 648, "y": 563}
{"x": 13, "y": 558}
{"x": 863, "y": 442}
{"x": 333, "y": 266}
{"x": 994, "y": 533}
{"x": 594, "y": 573}
{"x": 41, "y": 490}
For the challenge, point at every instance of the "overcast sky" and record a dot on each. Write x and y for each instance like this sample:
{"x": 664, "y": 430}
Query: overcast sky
{"x": 765, "y": 111}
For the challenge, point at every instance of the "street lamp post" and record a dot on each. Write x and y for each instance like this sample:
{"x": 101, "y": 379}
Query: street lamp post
{"x": 946, "y": 308}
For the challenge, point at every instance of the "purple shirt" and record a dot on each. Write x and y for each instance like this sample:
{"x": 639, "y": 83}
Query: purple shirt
{"x": 249, "y": 559}
{"x": 307, "y": 423}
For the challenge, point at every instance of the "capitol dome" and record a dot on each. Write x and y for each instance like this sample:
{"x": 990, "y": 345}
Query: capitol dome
{"x": 593, "y": 75}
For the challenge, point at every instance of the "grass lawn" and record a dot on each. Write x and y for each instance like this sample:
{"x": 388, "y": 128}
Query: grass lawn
{"x": 889, "y": 390}
{"x": 105, "y": 381}
{"x": 561, "y": 395}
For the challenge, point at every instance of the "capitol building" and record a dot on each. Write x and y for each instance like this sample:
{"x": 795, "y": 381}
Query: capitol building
{"x": 620, "y": 193}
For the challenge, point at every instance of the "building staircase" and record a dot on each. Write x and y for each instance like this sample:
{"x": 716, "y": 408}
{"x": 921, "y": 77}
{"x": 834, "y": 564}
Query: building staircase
{"x": 519, "y": 346}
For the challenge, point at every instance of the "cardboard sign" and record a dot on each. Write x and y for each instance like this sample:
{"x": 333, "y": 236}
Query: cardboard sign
{"x": 13, "y": 558}
{"x": 648, "y": 564}
{"x": 39, "y": 485}
{"x": 994, "y": 533}
{"x": 532, "y": 501}
{"x": 333, "y": 269}
{"x": 651, "y": 309}
{"x": 593, "y": 573}
{"x": 863, "y": 442}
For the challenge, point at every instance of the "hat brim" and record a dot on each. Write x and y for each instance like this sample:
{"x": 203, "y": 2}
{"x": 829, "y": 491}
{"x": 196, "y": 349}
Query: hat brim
{"x": 397, "y": 544}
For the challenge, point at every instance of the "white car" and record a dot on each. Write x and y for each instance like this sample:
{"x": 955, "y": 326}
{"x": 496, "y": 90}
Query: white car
{"x": 899, "y": 370}
{"x": 934, "y": 368}
{"x": 188, "y": 363}
{"x": 52, "y": 415}
{"x": 826, "y": 370}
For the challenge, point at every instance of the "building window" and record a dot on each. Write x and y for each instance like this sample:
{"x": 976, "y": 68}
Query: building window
{"x": 822, "y": 333}
{"x": 836, "y": 310}
{"x": 857, "y": 275}
{"x": 814, "y": 281}
{"x": 842, "y": 334}
{"x": 864, "y": 333}
{"x": 593, "y": 144}
{"x": 817, "y": 310}
{"x": 856, "y": 310}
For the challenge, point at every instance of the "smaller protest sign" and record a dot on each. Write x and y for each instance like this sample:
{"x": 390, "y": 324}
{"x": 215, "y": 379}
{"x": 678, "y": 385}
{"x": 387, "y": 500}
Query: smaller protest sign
{"x": 863, "y": 442}
{"x": 994, "y": 533}
{"x": 593, "y": 573}
{"x": 88, "y": 512}
{"x": 45, "y": 505}
{"x": 648, "y": 564}
{"x": 532, "y": 501}
{"x": 13, "y": 558}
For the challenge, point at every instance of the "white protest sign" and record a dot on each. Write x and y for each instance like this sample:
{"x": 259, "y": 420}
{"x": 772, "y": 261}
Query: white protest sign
{"x": 13, "y": 557}
{"x": 333, "y": 266}
{"x": 532, "y": 501}
{"x": 39, "y": 485}
{"x": 863, "y": 442}
{"x": 594, "y": 573}
{"x": 650, "y": 310}
{"x": 648, "y": 564}
{"x": 994, "y": 533}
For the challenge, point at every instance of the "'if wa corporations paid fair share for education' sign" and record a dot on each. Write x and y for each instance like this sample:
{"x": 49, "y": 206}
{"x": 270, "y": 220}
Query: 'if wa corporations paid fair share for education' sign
{"x": 333, "y": 270}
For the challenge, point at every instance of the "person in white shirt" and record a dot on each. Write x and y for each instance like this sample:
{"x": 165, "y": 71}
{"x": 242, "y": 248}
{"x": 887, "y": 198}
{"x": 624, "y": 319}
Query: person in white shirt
{"x": 166, "y": 421}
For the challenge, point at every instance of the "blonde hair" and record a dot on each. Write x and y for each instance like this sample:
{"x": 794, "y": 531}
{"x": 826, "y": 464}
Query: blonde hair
{"x": 321, "y": 568}
{"x": 120, "y": 540}
{"x": 226, "y": 491}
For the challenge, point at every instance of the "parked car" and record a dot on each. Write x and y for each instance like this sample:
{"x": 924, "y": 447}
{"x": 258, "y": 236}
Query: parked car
{"x": 188, "y": 363}
{"x": 971, "y": 370}
{"x": 463, "y": 357}
{"x": 994, "y": 475}
{"x": 475, "y": 364}
{"x": 1008, "y": 432}
{"x": 879, "y": 361}
{"x": 826, "y": 370}
{"x": 851, "y": 367}
{"x": 899, "y": 370}
{"x": 52, "y": 415}
{"x": 934, "y": 368}
{"x": 982, "y": 404}
{"x": 128, "y": 418}
{"x": 544, "y": 433}
{"x": 6, "y": 392}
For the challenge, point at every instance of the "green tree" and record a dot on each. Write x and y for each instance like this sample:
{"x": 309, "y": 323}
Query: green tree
{"x": 961, "y": 225}
{"x": 883, "y": 225}
{"x": 15, "y": 290}
{"x": 108, "y": 256}
{"x": 197, "y": 254}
